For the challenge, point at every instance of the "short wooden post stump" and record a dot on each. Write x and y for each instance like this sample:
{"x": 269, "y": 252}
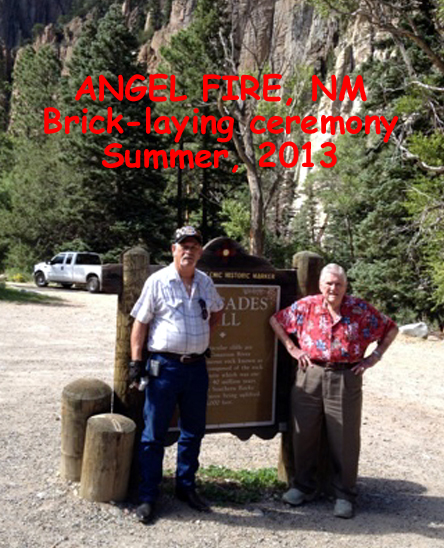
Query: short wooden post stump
{"x": 80, "y": 400}
{"x": 107, "y": 457}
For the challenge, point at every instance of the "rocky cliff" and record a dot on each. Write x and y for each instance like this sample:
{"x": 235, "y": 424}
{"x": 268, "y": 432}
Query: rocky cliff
{"x": 18, "y": 17}
{"x": 289, "y": 29}
{"x": 289, "y": 33}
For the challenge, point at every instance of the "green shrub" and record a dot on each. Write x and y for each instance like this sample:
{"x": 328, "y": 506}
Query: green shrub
{"x": 37, "y": 30}
{"x": 19, "y": 278}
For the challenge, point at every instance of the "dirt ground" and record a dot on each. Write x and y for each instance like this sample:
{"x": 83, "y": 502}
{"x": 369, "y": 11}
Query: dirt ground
{"x": 44, "y": 347}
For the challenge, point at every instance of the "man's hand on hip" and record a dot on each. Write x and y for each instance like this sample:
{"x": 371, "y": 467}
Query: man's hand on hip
{"x": 303, "y": 359}
{"x": 365, "y": 364}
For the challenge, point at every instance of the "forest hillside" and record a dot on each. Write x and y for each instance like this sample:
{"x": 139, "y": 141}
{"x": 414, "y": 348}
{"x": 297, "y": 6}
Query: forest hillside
{"x": 366, "y": 193}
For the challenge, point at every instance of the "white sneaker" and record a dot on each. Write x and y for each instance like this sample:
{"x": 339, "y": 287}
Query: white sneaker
{"x": 343, "y": 509}
{"x": 295, "y": 497}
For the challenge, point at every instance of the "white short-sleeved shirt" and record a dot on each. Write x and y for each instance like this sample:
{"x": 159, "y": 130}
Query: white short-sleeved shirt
{"x": 175, "y": 318}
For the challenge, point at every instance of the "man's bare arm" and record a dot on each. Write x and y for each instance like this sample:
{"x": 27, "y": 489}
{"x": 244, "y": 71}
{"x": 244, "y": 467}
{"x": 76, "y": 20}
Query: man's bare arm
{"x": 377, "y": 354}
{"x": 387, "y": 341}
{"x": 139, "y": 333}
{"x": 215, "y": 318}
{"x": 292, "y": 349}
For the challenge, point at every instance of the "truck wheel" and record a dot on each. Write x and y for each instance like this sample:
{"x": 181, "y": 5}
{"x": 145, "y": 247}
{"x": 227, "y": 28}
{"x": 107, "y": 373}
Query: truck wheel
{"x": 40, "y": 280}
{"x": 66, "y": 286}
{"x": 93, "y": 284}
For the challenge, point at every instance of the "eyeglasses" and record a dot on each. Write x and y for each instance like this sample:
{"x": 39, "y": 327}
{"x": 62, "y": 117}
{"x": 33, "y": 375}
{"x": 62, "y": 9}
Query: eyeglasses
{"x": 203, "y": 309}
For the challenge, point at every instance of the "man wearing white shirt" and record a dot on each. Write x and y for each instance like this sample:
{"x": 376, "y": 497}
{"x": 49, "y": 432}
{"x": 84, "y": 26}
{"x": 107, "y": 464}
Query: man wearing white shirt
{"x": 176, "y": 309}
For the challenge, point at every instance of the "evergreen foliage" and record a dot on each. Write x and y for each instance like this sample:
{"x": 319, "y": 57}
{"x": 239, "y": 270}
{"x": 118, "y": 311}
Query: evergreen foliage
{"x": 236, "y": 223}
{"x": 36, "y": 82}
{"x": 192, "y": 52}
{"x": 379, "y": 212}
{"x": 379, "y": 202}
{"x": 122, "y": 206}
{"x": 364, "y": 225}
{"x": 35, "y": 187}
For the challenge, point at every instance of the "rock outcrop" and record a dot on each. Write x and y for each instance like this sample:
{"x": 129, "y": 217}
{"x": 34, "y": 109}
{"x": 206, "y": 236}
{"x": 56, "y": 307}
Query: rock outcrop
{"x": 18, "y": 17}
{"x": 289, "y": 33}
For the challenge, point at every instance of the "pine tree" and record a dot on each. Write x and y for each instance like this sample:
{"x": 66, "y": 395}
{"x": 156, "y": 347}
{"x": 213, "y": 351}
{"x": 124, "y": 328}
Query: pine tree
{"x": 366, "y": 227}
{"x": 36, "y": 208}
{"x": 121, "y": 206}
{"x": 193, "y": 52}
{"x": 383, "y": 202}
{"x": 36, "y": 83}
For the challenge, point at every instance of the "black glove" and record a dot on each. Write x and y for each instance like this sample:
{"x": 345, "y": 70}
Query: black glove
{"x": 136, "y": 370}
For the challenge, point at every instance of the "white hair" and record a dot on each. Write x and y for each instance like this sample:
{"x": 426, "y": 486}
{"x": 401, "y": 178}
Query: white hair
{"x": 334, "y": 269}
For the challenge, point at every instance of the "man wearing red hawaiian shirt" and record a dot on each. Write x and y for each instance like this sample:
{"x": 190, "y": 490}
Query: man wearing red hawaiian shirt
{"x": 333, "y": 331}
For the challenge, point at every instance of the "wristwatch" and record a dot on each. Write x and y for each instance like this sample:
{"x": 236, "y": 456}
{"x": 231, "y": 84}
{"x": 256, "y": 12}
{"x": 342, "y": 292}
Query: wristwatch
{"x": 377, "y": 354}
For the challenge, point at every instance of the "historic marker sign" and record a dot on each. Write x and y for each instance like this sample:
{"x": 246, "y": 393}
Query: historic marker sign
{"x": 249, "y": 392}
{"x": 242, "y": 368}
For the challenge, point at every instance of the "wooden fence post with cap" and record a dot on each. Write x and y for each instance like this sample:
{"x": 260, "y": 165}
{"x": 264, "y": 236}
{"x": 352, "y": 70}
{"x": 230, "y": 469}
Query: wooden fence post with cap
{"x": 308, "y": 266}
{"x": 135, "y": 272}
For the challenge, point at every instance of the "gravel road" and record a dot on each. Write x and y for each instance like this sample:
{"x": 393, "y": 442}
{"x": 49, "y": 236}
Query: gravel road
{"x": 43, "y": 347}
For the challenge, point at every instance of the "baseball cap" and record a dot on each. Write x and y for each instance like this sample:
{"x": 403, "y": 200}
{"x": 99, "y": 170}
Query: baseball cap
{"x": 187, "y": 232}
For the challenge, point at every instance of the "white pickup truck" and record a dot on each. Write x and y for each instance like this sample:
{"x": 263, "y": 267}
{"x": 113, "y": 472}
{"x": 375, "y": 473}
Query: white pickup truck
{"x": 71, "y": 267}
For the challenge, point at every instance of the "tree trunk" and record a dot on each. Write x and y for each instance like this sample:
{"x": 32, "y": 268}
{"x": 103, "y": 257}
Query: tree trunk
{"x": 179, "y": 191}
{"x": 257, "y": 213}
{"x": 204, "y": 196}
{"x": 256, "y": 195}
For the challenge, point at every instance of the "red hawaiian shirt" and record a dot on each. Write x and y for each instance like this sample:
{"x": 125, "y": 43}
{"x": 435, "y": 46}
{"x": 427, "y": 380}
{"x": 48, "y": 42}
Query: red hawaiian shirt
{"x": 345, "y": 340}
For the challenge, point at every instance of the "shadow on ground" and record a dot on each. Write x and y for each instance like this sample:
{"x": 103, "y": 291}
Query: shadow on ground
{"x": 384, "y": 507}
{"x": 46, "y": 296}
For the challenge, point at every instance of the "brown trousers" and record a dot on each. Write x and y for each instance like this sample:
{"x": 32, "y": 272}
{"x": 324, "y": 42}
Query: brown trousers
{"x": 327, "y": 400}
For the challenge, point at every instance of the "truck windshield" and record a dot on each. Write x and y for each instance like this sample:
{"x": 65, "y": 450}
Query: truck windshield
{"x": 58, "y": 259}
{"x": 88, "y": 258}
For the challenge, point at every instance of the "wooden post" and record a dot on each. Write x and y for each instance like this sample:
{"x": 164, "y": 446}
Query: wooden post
{"x": 135, "y": 272}
{"x": 308, "y": 266}
{"x": 80, "y": 400}
{"x": 107, "y": 457}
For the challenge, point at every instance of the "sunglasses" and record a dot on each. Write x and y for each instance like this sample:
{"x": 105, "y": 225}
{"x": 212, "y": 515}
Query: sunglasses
{"x": 203, "y": 309}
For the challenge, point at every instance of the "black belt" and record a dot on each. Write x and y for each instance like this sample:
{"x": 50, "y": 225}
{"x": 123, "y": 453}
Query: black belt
{"x": 184, "y": 358}
{"x": 335, "y": 366}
